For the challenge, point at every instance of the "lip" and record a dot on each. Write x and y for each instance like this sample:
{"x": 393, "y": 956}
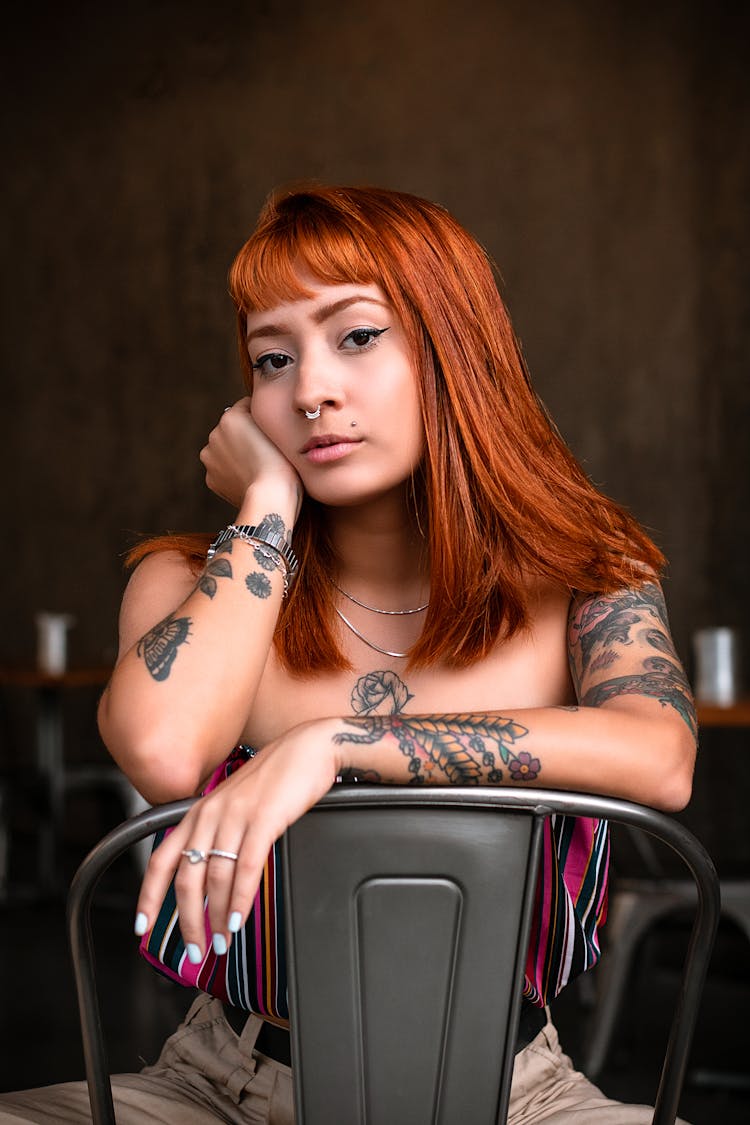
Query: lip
{"x": 328, "y": 447}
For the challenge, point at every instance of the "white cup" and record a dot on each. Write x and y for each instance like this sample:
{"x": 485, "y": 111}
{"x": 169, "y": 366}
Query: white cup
{"x": 52, "y": 642}
{"x": 717, "y": 666}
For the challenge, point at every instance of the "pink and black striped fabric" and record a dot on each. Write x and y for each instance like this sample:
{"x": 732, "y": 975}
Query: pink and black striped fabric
{"x": 570, "y": 907}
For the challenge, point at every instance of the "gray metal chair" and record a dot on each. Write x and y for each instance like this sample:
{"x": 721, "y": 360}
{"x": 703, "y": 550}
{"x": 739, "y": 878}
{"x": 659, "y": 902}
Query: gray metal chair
{"x": 408, "y": 914}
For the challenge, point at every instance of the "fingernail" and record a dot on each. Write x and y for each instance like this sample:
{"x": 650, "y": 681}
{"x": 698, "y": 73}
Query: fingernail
{"x": 235, "y": 921}
{"x": 219, "y": 943}
{"x": 194, "y": 954}
{"x": 141, "y": 924}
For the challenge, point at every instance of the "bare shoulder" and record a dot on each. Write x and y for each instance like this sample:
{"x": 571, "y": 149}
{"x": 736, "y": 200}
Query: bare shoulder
{"x": 545, "y": 593}
{"x": 156, "y": 587}
{"x": 547, "y": 603}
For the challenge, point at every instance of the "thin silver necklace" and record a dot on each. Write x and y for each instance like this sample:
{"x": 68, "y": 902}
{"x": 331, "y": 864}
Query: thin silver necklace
{"x": 374, "y": 609}
{"x": 371, "y": 644}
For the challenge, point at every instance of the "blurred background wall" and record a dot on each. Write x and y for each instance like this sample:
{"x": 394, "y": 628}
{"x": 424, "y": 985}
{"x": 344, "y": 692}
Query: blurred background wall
{"x": 599, "y": 150}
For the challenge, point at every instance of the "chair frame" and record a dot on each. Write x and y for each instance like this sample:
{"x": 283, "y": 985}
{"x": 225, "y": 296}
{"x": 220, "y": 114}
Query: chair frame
{"x": 636, "y": 904}
{"x": 538, "y": 803}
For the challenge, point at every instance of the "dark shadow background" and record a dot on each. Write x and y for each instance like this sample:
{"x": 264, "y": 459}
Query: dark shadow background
{"x": 599, "y": 150}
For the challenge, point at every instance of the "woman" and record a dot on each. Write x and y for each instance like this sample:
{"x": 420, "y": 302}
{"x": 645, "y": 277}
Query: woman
{"x": 411, "y": 539}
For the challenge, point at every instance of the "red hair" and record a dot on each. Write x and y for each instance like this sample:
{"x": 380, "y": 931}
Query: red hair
{"x": 499, "y": 495}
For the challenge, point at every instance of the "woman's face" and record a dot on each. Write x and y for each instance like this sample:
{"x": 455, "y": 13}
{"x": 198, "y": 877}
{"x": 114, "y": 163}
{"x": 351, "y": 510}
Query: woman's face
{"x": 343, "y": 350}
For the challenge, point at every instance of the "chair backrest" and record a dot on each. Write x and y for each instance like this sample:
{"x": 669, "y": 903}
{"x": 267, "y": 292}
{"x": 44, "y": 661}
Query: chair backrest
{"x": 408, "y": 915}
{"x": 408, "y": 928}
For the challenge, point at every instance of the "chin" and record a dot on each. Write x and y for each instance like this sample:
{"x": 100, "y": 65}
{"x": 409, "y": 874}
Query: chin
{"x": 357, "y": 497}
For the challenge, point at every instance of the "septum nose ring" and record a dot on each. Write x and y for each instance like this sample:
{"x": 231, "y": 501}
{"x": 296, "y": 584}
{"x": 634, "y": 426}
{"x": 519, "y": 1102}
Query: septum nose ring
{"x": 311, "y": 415}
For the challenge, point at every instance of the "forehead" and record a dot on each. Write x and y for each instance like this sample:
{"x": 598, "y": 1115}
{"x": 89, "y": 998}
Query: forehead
{"x": 321, "y": 300}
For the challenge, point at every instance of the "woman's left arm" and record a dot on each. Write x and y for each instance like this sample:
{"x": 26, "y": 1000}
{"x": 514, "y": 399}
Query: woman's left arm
{"x": 631, "y": 735}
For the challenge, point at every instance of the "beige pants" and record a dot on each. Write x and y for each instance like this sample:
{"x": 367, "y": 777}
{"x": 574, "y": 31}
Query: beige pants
{"x": 205, "y": 1073}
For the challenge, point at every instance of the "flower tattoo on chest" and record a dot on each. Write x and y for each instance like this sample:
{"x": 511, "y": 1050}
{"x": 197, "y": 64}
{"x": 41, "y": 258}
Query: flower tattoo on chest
{"x": 380, "y": 693}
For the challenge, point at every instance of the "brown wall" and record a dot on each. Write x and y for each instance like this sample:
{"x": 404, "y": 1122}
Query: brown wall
{"x": 599, "y": 150}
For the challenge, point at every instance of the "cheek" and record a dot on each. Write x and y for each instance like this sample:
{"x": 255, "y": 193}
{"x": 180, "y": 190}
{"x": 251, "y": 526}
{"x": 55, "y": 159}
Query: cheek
{"x": 407, "y": 420}
{"x": 268, "y": 415}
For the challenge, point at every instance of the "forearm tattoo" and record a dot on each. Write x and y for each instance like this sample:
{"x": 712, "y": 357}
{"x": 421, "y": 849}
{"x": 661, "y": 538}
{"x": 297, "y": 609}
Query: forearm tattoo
{"x": 273, "y": 523}
{"x": 159, "y": 646}
{"x": 601, "y": 627}
{"x": 257, "y": 582}
{"x": 450, "y": 749}
{"x": 218, "y": 567}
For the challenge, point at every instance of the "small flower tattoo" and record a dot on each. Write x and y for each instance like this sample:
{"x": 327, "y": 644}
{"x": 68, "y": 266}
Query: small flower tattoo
{"x": 524, "y": 767}
{"x": 258, "y": 584}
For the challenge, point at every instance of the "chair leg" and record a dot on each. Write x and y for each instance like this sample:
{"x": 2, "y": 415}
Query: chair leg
{"x": 735, "y": 904}
{"x": 632, "y": 913}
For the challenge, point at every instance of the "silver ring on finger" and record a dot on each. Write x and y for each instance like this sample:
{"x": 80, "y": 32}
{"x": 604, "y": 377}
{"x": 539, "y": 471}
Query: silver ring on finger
{"x": 223, "y": 855}
{"x": 195, "y": 855}
{"x": 226, "y": 408}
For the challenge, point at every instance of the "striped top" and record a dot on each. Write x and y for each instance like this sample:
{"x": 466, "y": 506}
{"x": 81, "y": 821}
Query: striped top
{"x": 571, "y": 905}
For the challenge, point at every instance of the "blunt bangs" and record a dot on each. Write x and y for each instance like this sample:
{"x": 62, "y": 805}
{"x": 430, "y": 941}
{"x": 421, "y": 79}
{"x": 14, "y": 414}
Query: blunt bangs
{"x": 296, "y": 235}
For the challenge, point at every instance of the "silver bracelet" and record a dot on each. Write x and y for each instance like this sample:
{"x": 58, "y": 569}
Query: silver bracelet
{"x": 273, "y": 554}
{"x": 272, "y": 545}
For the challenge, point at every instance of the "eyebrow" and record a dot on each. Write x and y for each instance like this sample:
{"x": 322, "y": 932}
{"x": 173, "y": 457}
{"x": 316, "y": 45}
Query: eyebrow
{"x": 325, "y": 312}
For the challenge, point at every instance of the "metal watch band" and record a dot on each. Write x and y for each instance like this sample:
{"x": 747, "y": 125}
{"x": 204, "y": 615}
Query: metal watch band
{"x": 257, "y": 534}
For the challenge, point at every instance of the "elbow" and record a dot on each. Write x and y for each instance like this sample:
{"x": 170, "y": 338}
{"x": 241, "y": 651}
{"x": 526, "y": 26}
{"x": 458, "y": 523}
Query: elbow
{"x": 162, "y": 772}
{"x": 672, "y": 789}
{"x": 161, "y": 786}
{"x": 161, "y": 763}
{"x": 161, "y": 769}
{"x": 674, "y": 798}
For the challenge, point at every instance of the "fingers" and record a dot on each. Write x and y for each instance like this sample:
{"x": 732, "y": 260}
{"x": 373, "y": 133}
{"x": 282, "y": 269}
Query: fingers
{"x": 210, "y": 865}
{"x": 241, "y": 818}
{"x": 159, "y": 874}
{"x": 220, "y": 878}
{"x": 237, "y": 453}
{"x": 246, "y": 881}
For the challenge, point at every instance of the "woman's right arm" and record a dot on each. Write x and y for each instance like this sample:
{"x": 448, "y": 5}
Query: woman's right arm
{"x": 193, "y": 648}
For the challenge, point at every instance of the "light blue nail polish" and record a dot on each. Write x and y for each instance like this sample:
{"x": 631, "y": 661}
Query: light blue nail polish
{"x": 219, "y": 943}
{"x": 141, "y": 924}
{"x": 194, "y": 954}
{"x": 235, "y": 921}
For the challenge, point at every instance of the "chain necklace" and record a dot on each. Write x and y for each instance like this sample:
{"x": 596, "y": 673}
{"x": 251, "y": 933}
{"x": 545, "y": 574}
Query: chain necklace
{"x": 370, "y": 644}
{"x": 374, "y": 609}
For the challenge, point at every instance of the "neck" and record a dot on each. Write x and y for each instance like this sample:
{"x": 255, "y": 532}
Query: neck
{"x": 381, "y": 552}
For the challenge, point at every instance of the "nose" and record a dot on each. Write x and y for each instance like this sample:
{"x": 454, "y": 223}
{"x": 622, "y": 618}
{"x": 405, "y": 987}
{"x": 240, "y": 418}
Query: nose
{"x": 317, "y": 384}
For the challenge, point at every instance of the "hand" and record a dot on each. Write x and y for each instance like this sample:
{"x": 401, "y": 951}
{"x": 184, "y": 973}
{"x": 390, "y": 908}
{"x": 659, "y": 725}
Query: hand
{"x": 244, "y": 815}
{"x": 239, "y": 454}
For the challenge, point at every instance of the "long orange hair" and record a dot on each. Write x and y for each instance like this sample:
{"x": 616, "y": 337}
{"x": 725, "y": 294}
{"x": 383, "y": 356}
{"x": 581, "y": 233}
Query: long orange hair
{"x": 499, "y": 496}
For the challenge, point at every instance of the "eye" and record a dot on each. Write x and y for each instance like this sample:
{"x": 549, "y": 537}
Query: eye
{"x": 360, "y": 339}
{"x": 270, "y": 364}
